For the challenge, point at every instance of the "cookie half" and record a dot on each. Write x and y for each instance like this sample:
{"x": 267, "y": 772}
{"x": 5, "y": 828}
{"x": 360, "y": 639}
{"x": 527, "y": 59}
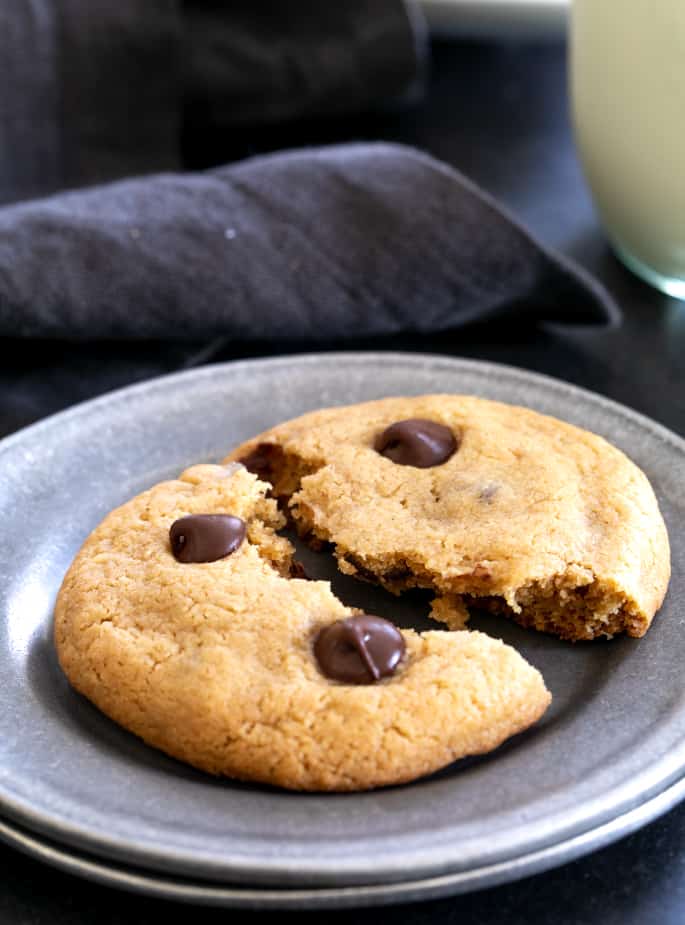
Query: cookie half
{"x": 214, "y": 662}
{"x": 486, "y": 503}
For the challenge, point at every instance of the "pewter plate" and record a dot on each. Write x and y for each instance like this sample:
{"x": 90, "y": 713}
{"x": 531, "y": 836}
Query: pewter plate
{"x": 182, "y": 889}
{"x": 613, "y": 740}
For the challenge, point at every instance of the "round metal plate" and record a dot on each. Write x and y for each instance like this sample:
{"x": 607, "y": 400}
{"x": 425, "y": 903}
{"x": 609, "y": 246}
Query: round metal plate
{"x": 246, "y": 897}
{"x": 613, "y": 739}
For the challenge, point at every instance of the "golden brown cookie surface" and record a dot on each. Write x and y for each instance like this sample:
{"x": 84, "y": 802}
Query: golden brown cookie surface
{"x": 523, "y": 514}
{"x": 213, "y": 661}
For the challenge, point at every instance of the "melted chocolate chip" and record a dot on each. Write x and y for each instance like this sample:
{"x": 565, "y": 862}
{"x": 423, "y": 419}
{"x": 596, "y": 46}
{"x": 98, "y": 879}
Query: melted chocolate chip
{"x": 365, "y": 574}
{"x": 206, "y": 537}
{"x": 401, "y": 573}
{"x": 361, "y": 572}
{"x": 359, "y": 650}
{"x": 417, "y": 443}
{"x": 297, "y": 570}
{"x": 263, "y": 460}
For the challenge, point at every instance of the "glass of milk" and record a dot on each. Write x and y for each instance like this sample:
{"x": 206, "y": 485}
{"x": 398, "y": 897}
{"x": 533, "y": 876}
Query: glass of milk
{"x": 628, "y": 92}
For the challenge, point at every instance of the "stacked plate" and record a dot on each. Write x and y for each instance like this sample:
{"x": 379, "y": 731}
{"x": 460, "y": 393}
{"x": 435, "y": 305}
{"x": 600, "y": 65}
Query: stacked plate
{"x": 78, "y": 792}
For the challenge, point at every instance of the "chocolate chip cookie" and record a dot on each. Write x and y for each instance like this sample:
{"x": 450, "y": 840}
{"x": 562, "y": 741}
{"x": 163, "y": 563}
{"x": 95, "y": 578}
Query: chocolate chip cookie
{"x": 488, "y": 504}
{"x": 180, "y": 619}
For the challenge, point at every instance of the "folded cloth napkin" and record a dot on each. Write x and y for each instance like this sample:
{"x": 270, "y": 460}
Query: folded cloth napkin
{"x": 95, "y": 90}
{"x": 348, "y": 240}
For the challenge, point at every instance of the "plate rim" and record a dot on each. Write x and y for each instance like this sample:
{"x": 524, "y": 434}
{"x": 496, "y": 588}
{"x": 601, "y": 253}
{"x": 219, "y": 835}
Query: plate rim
{"x": 207, "y": 370}
{"x": 651, "y": 783}
{"x": 150, "y": 883}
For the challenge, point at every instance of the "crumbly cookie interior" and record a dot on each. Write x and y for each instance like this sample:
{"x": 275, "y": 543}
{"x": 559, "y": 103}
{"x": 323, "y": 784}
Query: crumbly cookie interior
{"x": 572, "y": 603}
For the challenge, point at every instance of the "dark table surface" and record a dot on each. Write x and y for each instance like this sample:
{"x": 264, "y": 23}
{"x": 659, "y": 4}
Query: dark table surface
{"x": 500, "y": 114}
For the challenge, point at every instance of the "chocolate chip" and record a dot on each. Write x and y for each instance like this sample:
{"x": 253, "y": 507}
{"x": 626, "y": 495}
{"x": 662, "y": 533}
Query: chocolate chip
{"x": 297, "y": 570}
{"x": 360, "y": 650}
{"x": 263, "y": 460}
{"x": 365, "y": 574}
{"x": 417, "y": 442}
{"x": 206, "y": 537}
{"x": 401, "y": 573}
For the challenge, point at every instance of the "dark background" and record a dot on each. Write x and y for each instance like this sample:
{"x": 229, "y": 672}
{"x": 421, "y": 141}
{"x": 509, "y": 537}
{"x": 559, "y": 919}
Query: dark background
{"x": 500, "y": 114}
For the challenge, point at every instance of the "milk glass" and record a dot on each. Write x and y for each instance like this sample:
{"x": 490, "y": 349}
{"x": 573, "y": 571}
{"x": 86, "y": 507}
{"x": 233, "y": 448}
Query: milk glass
{"x": 628, "y": 93}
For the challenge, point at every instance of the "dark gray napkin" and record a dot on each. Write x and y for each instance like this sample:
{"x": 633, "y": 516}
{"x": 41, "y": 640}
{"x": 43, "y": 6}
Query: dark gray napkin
{"x": 332, "y": 242}
{"x": 95, "y": 90}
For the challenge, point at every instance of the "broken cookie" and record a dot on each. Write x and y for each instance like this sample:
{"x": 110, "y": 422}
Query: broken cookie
{"x": 179, "y": 620}
{"x": 489, "y": 505}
